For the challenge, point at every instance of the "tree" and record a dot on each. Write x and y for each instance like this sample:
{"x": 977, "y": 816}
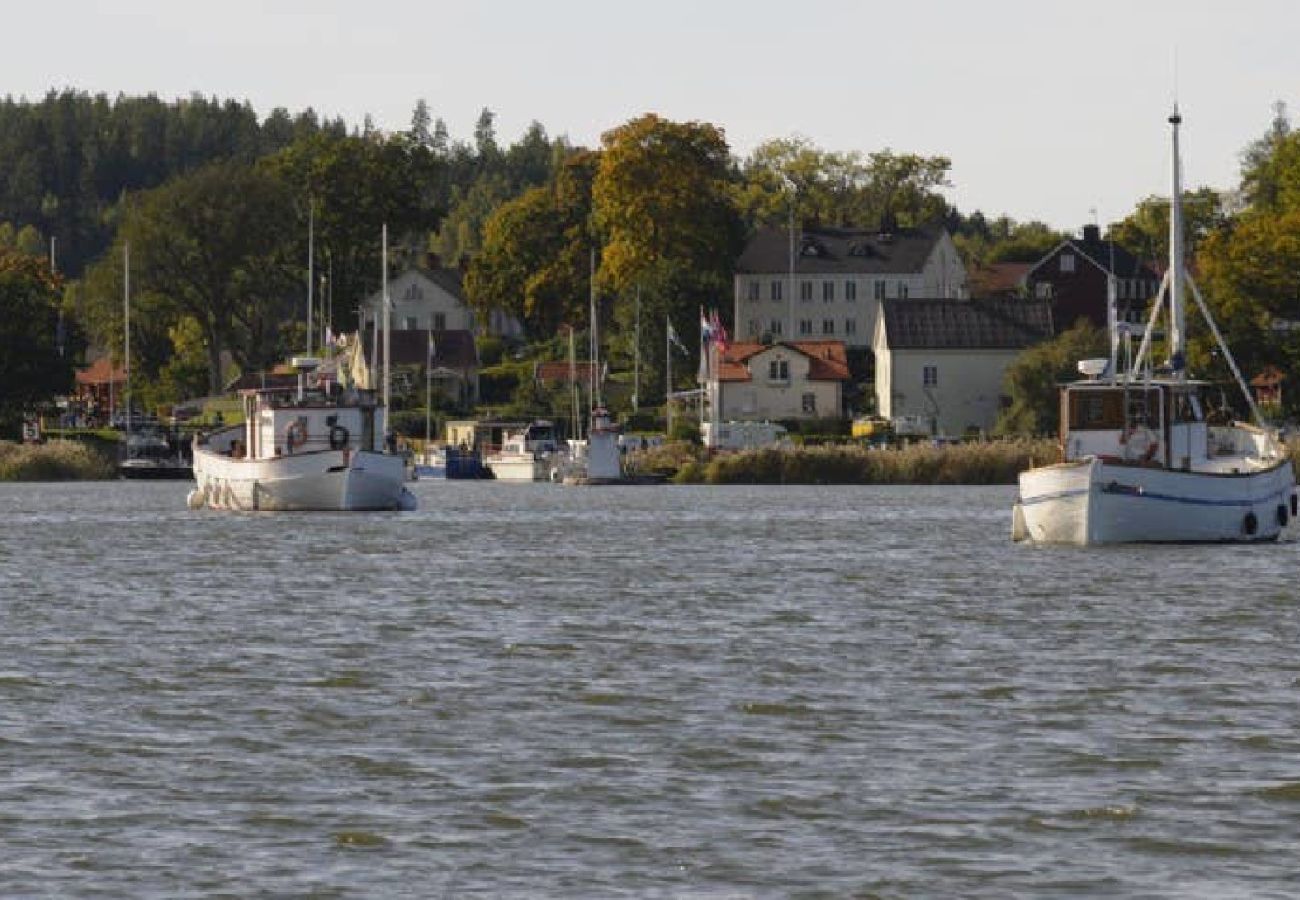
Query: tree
{"x": 534, "y": 261}
{"x": 420, "y": 119}
{"x": 217, "y": 246}
{"x": 1033, "y": 380}
{"x": 662, "y": 201}
{"x": 1145, "y": 231}
{"x": 38, "y": 363}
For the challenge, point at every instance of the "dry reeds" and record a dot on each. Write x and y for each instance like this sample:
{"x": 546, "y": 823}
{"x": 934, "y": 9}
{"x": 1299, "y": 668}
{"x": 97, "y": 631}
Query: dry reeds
{"x": 52, "y": 461}
{"x": 991, "y": 462}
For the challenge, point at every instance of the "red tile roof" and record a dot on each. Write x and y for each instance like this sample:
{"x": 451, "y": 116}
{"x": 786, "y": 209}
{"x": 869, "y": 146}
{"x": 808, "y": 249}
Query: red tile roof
{"x": 101, "y": 371}
{"x": 557, "y": 372}
{"x": 828, "y": 359}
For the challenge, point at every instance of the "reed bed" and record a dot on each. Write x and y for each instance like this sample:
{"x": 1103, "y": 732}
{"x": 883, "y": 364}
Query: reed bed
{"x": 53, "y": 461}
{"x": 993, "y": 462}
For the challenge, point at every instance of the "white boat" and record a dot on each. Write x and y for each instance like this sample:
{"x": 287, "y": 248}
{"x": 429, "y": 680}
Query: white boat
{"x": 310, "y": 451}
{"x": 528, "y": 454}
{"x": 322, "y": 447}
{"x": 1143, "y": 459}
{"x": 153, "y": 455}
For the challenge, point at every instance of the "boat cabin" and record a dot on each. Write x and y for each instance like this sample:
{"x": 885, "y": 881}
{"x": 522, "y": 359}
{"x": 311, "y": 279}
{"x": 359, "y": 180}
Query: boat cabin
{"x": 1155, "y": 422}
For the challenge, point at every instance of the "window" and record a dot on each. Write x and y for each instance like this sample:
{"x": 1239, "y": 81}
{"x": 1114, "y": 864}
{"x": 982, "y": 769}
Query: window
{"x": 828, "y": 326}
{"x": 754, "y": 327}
{"x": 753, "y": 290}
{"x": 850, "y": 326}
{"x": 879, "y": 290}
{"x": 439, "y": 321}
{"x": 810, "y": 403}
{"x": 805, "y": 290}
{"x": 828, "y": 291}
{"x": 1067, "y": 262}
{"x": 902, "y": 290}
{"x": 413, "y": 293}
{"x": 1043, "y": 290}
{"x": 930, "y": 376}
{"x": 805, "y": 326}
{"x": 774, "y": 326}
{"x": 775, "y": 290}
{"x": 850, "y": 290}
{"x": 778, "y": 370}
{"x": 412, "y": 323}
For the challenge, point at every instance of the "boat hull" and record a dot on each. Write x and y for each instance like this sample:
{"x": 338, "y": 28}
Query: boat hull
{"x": 1092, "y": 501}
{"x": 325, "y": 481}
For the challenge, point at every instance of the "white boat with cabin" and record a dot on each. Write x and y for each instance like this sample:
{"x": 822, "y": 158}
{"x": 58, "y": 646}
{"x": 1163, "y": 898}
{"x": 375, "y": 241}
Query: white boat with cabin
{"x": 528, "y": 454}
{"x": 1144, "y": 459}
{"x": 313, "y": 450}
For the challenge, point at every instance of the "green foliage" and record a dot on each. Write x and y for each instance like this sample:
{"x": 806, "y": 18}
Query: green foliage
{"x": 1145, "y": 231}
{"x": 843, "y": 189}
{"x": 32, "y": 370}
{"x": 662, "y": 201}
{"x": 212, "y": 246}
{"x": 1033, "y": 380}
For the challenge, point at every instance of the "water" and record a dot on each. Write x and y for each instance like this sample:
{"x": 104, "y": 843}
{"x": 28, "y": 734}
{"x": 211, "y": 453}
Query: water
{"x": 668, "y": 692}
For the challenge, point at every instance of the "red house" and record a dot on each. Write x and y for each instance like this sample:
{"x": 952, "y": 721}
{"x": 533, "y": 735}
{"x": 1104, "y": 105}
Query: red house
{"x": 1076, "y": 275}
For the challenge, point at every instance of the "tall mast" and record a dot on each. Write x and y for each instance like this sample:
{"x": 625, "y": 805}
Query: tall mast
{"x": 311, "y": 280}
{"x": 636, "y": 361}
{"x": 126, "y": 318}
{"x": 1177, "y": 270}
{"x": 595, "y": 397}
{"x": 383, "y": 298}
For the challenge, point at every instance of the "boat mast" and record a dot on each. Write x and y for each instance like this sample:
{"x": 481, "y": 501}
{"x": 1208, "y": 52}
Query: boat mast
{"x": 1177, "y": 315}
{"x": 595, "y": 389}
{"x": 383, "y": 298}
{"x": 126, "y": 318}
{"x": 636, "y": 360}
{"x": 311, "y": 285}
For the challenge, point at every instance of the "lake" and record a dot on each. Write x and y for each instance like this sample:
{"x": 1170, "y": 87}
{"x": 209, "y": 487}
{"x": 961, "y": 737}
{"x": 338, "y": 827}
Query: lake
{"x": 533, "y": 690}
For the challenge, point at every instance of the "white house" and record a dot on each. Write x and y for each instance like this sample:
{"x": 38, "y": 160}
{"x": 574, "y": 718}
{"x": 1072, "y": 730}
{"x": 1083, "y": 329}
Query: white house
{"x": 833, "y": 284}
{"x": 787, "y": 380}
{"x": 942, "y": 361}
{"x": 432, "y": 300}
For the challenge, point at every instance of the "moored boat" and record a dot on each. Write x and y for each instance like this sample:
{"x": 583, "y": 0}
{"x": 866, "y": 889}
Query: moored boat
{"x": 1144, "y": 457}
{"x": 528, "y": 454}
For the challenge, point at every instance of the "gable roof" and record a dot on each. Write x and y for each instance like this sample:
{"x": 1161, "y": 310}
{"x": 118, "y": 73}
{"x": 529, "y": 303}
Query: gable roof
{"x": 828, "y": 360}
{"x": 452, "y": 349}
{"x": 1107, "y": 256}
{"x": 450, "y": 280}
{"x": 836, "y": 251}
{"x": 965, "y": 324}
{"x": 994, "y": 279}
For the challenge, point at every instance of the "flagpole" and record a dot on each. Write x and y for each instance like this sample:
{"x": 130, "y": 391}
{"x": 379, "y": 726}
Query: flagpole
{"x": 668, "y": 374}
{"x": 388, "y": 344}
{"x": 311, "y": 262}
{"x": 428, "y": 393}
{"x": 126, "y": 316}
{"x": 636, "y": 364}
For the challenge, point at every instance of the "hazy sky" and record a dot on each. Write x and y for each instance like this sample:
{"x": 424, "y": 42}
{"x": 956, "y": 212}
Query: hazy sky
{"x": 1047, "y": 110}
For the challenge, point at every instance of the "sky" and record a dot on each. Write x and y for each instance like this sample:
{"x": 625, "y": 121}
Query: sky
{"x": 1049, "y": 111}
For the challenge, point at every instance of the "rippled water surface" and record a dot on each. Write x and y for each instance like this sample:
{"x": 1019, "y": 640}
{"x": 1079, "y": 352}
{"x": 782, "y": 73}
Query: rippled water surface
{"x": 530, "y": 690}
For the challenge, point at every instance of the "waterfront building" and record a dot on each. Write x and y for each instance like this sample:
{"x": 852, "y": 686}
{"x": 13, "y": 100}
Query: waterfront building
{"x": 941, "y": 362}
{"x": 757, "y": 382}
{"x": 1075, "y": 277}
{"x": 832, "y": 285}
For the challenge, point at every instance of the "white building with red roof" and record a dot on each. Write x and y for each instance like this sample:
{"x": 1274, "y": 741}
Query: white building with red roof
{"x": 783, "y": 380}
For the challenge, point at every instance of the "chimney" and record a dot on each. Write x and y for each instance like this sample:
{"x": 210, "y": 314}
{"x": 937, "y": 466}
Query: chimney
{"x": 1091, "y": 234}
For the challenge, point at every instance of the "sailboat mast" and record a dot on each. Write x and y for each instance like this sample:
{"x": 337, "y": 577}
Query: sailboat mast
{"x": 1177, "y": 270}
{"x": 573, "y": 388}
{"x": 126, "y": 319}
{"x": 311, "y": 279}
{"x": 636, "y": 358}
{"x": 591, "y": 355}
{"x": 668, "y": 375}
{"x": 383, "y": 298}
